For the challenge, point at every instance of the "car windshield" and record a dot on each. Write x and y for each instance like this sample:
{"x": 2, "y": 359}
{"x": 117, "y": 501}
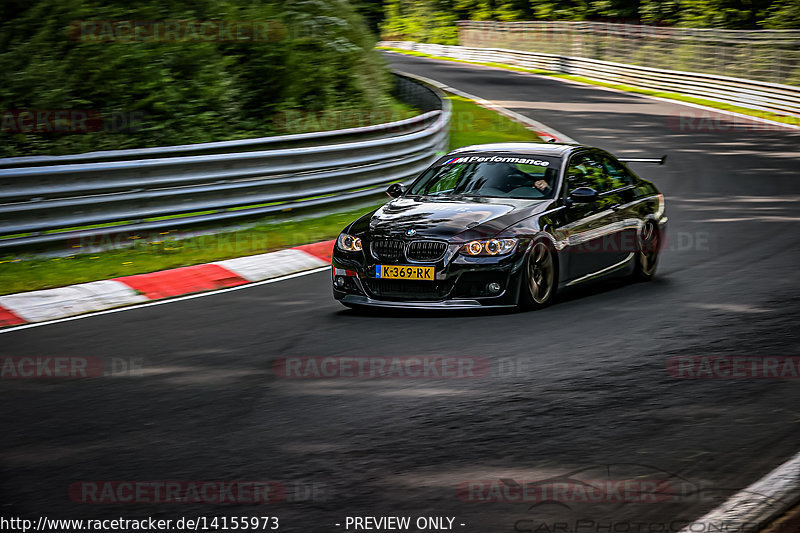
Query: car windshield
{"x": 489, "y": 176}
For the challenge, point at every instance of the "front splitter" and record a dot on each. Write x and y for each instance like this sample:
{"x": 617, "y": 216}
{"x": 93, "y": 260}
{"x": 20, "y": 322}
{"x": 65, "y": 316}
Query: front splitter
{"x": 356, "y": 299}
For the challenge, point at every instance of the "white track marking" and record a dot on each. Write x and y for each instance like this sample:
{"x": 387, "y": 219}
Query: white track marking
{"x": 611, "y": 89}
{"x": 166, "y": 301}
{"x": 513, "y": 115}
{"x": 51, "y": 304}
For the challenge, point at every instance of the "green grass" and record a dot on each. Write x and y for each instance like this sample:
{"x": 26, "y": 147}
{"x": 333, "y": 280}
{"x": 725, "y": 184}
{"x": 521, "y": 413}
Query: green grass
{"x": 471, "y": 124}
{"x": 25, "y": 274}
{"x": 627, "y": 88}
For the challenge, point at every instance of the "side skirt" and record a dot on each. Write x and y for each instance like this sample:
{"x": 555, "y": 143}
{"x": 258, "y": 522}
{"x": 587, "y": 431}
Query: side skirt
{"x": 608, "y": 270}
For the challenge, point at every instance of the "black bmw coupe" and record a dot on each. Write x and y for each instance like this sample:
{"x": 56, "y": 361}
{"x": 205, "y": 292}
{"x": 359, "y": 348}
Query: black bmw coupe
{"x": 501, "y": 225}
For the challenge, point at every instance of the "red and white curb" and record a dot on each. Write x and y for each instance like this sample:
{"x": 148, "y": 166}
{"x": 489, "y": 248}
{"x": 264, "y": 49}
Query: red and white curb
{"x": 53, "y": 304}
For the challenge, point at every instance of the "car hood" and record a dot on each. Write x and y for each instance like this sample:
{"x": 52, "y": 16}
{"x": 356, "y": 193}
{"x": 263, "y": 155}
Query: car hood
{"x": 449, "y": 218}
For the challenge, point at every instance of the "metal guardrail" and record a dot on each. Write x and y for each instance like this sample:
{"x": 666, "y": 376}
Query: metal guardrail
{"x": 759, "y": 95}
{"x": 129, "y": 191}
{"x": 765, "y": 55}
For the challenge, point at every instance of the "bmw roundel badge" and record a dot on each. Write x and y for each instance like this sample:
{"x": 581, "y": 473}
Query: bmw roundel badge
{"x": 411, "y": 232}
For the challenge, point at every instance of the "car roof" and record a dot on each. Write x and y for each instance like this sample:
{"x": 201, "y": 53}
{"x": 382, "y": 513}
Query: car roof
{"x": 551, "y": 149}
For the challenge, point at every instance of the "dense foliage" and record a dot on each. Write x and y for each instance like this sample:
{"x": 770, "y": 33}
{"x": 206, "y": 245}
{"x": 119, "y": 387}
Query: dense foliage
{"x": 433, "y": 20}
{"x": 319, "y": 57}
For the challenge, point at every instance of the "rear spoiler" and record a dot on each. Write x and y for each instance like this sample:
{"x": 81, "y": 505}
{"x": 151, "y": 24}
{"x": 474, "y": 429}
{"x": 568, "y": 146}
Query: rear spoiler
{"x": 660, "y": 161}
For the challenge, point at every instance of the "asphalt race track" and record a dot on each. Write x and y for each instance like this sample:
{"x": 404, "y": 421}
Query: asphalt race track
{"x": 577, "y": 391}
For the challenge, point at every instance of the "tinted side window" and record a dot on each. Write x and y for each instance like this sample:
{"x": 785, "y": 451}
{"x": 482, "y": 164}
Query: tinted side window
{"x": 618, "y": 174}
{"x": 587, "y": 171}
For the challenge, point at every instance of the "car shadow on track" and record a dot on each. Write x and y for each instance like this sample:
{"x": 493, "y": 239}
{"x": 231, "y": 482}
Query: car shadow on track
{"x": 564, "y": 296}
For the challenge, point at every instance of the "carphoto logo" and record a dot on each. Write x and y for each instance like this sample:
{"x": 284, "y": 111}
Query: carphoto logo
{"x": 422, "y": 367}
{"x": 175, "y": 31}
{"x": 70, "y": 121}
{"x": 151, "y": 492}
{"x": 48, "y": 367}
{"x": 734, "y": 367}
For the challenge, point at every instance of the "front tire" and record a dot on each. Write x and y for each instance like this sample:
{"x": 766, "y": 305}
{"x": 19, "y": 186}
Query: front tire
{"x": 539, "y": 277}
{"x": 647, "y": 255}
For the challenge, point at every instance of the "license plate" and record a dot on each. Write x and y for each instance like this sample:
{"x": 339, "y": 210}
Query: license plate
{"x": 404, "y": 272}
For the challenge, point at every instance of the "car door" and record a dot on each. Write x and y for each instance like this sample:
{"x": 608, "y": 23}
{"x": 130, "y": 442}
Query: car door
{"x": 628, "y": 217}
{"x": 591, "y": 230}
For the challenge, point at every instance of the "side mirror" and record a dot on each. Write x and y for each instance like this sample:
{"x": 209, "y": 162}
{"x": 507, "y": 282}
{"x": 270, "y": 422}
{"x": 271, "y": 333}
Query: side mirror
{"x": 583, "y": 195}
{"x": 396, "y": 189}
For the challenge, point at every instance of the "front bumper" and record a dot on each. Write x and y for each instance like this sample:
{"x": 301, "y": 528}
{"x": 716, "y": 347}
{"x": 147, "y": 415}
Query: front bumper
{"x": 461, "y": 282}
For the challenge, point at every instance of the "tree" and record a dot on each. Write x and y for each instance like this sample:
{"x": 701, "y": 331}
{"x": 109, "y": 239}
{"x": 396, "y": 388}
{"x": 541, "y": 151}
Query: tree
{"x": 320, "y": 57}
{"x": 782, "y": 15}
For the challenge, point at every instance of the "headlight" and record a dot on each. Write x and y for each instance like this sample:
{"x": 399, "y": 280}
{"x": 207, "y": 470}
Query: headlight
{"x": 348, "y": 243}
{"x": 490, "y": 247}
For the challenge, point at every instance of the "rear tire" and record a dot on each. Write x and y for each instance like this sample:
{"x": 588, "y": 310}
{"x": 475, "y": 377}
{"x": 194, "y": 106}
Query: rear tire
{"x": 647, "y": 254}
{"x": 539, "y": 277}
